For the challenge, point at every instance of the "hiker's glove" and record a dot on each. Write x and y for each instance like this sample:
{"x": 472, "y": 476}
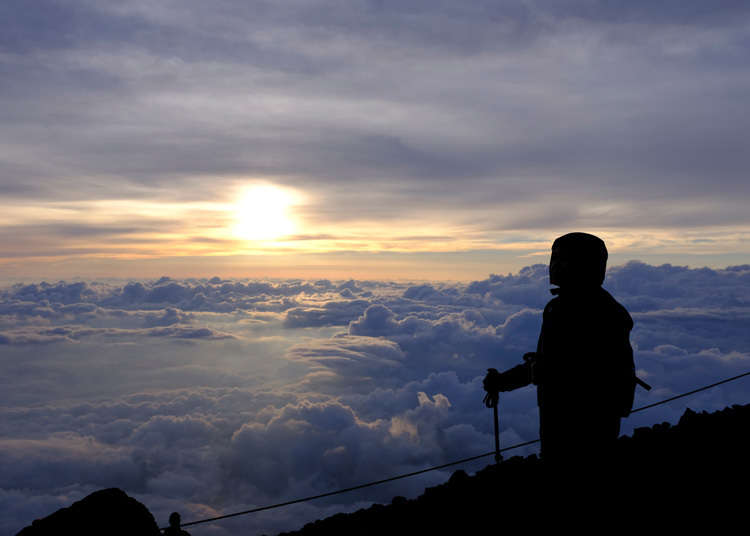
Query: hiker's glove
{"x": 491, "y": 384}
{"x": 492, "y": 381}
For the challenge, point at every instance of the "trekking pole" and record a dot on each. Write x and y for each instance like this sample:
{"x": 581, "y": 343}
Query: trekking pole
{"x": 491, "y": 400}
{"x": 498, "y": 457}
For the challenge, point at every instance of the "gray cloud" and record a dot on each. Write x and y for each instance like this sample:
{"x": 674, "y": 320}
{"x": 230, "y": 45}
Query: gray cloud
{"x": 640, "y": 104}
{"x": 104, "y": 390}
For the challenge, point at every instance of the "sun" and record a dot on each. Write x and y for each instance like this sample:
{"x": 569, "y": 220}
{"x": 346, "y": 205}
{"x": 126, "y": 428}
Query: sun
{"x": 262, "y": 213}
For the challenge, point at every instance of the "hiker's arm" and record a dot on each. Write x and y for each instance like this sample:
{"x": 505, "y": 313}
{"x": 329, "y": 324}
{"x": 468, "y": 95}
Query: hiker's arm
{"x": 514, "y": 378}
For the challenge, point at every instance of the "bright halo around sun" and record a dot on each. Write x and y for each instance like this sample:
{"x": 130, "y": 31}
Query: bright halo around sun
{"x": 263, "y": 214}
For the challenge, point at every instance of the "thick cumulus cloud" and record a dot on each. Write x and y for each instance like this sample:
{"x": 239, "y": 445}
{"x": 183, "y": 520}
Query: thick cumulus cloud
{"x": 333, "y": 313}
{"x": 209, "y": 396}
{"x": 157, "y": 308}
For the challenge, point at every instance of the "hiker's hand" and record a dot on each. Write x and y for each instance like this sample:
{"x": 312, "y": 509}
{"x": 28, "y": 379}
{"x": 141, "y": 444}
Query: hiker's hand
{"x": 492, "y": 381}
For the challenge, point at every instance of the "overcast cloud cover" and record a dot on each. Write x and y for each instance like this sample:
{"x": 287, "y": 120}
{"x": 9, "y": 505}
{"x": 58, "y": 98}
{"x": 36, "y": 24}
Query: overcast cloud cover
{"x": 211, "y": 396}
{"x": 473, "y": 124}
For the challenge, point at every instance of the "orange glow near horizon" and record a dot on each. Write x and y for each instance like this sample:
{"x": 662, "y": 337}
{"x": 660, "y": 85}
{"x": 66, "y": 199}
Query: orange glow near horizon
{"x": 258, "y": 227}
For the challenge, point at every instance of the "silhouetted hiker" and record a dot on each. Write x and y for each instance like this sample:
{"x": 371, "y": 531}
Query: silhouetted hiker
{"x": 174, "y": 526}
{"x": 583, "y": 365}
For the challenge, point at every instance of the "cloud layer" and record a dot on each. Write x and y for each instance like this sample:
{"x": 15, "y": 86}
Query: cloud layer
{"x": 209, "y": 396}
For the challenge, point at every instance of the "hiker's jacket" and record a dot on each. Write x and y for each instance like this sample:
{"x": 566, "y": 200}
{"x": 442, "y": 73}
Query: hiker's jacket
{"x": 583, "y": 367}
{"x": 584, "y": 359}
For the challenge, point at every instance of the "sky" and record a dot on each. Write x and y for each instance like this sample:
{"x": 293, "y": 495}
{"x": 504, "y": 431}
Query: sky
{"x": 253, "y": 251}
{"x": 432, "y": 140}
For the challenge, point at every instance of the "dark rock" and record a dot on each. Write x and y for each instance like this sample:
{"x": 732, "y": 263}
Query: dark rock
{"x": 458, "y": 477}
{"x": 107, "y": 511}
{"x": 398, "y": 500}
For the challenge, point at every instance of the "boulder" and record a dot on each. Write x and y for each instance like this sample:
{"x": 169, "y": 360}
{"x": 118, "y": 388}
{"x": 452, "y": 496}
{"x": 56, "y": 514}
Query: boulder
{"x": 107, "y": 511}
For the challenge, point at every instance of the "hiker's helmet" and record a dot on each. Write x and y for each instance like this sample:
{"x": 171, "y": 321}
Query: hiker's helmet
{"x": 174, "y": 519}
{"x": 578, "y": 260}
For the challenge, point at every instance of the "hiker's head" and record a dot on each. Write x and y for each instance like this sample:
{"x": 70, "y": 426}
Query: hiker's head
{"x": 174, "y": 519}
{"x": 578, "y": 260}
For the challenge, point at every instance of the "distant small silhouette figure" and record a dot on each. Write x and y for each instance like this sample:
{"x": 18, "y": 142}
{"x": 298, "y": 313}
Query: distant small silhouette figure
{"x": 583, "y": 365}
{"x": 174, "y": 526}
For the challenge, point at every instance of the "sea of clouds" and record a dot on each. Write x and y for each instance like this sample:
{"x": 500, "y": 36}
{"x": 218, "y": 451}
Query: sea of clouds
{"x": 209, "y": 396}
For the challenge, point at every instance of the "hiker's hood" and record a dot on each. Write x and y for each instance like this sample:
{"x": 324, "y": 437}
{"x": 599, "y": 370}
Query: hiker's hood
{"x": 579, "y": 260}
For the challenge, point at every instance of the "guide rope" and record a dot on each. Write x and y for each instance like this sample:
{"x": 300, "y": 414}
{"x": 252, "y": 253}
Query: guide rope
{"x": 443, "y": 466}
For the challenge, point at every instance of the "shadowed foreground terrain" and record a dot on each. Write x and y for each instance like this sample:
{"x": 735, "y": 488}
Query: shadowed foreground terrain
{"x": 693, "y": 475}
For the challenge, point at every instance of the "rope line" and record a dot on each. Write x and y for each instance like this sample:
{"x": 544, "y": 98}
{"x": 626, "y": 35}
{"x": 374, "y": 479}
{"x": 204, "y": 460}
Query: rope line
{"x": 438, "y": 467}
{"x": 360, "y": 486}
{"x": 704, "y": 388}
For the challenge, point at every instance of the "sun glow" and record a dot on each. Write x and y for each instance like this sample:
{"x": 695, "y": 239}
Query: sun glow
{"x": 263, "y": 214}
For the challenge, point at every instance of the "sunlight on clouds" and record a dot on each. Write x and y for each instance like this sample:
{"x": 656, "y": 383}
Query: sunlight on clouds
{"x": 283, "y": 227}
